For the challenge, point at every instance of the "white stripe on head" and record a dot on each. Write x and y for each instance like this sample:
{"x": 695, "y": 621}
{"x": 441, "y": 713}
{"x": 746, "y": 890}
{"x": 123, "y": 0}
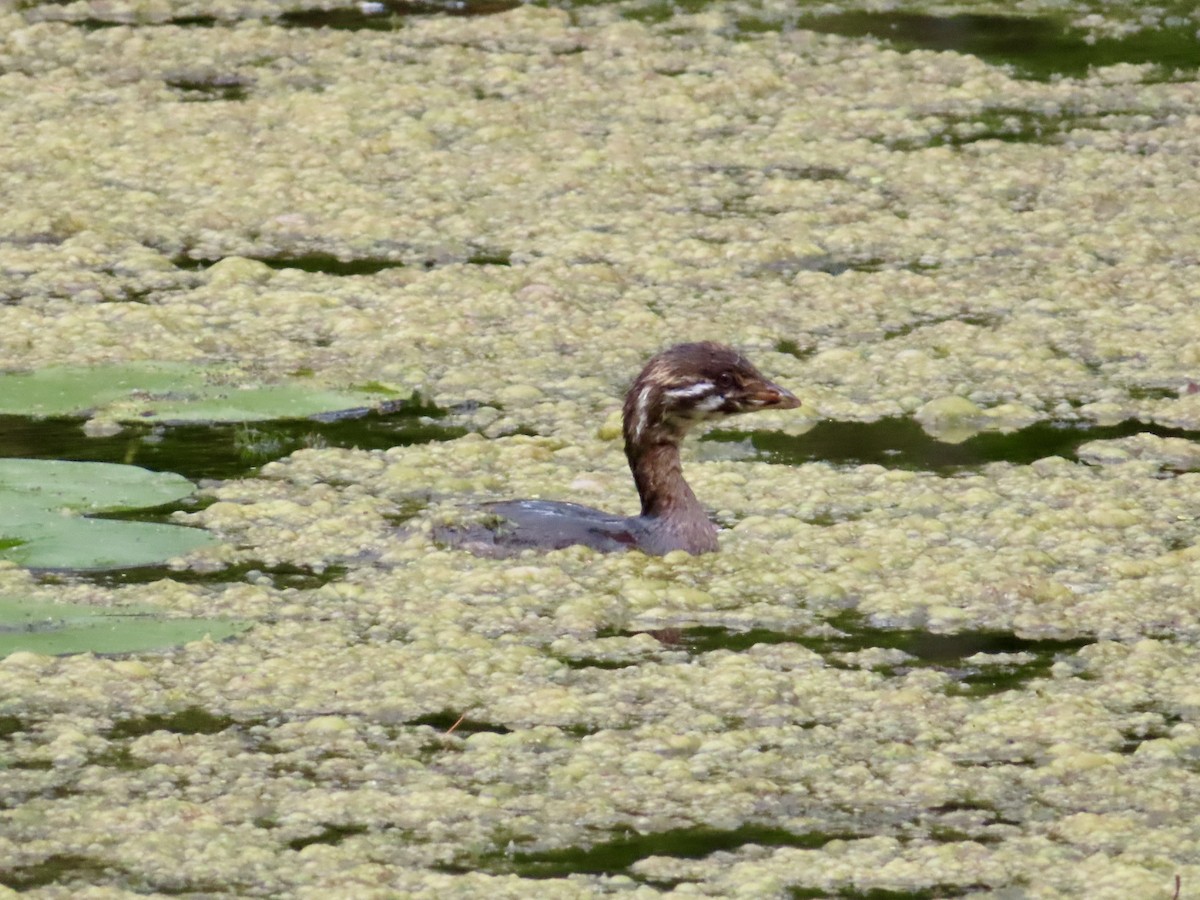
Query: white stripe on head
{"x": 641, "y": 412}
{"x": 710, "y": 404}
{"x": 699, "y": 389}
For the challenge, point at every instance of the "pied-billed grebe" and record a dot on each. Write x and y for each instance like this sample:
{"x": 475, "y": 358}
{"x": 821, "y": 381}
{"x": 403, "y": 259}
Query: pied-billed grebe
{"x": 680, "y": 387}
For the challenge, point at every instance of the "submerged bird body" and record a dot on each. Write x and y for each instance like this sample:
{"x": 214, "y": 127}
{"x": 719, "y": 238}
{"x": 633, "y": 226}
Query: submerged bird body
{"x": 679, "y": 388}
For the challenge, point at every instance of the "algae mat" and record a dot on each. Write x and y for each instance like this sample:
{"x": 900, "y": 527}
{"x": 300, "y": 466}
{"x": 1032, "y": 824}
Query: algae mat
{"x": 508, "y": 214}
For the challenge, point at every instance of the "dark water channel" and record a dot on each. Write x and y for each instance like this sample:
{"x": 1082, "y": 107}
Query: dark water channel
{"x": 1036, "y": 47}
{"x": 1018, "y": 660}
{"x": 901, "y": 443}
{"x": 219, "y": 450}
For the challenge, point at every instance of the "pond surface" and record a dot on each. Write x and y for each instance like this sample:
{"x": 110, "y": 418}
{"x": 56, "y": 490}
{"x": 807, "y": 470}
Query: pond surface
{"x": 889, "y": 682}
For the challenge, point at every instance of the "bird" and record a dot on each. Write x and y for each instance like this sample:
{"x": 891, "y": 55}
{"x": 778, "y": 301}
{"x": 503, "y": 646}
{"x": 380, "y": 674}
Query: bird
{"x": 679, "y": 388}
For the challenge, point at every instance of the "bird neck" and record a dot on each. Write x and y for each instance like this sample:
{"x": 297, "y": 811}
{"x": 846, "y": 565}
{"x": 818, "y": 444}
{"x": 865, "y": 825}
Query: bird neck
{"x": 658, "y": 474}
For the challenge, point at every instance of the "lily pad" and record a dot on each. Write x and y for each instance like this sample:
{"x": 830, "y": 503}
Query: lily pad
{"x": 283, "y": 401}
{"x": 58, "y": 628}
{"x": 42, "y": 507}
{"x": 74, "y": 391}
{"x": 168, "y": 392}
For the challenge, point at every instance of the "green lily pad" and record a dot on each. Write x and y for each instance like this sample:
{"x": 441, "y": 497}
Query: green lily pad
{"x": 42, "y": 507}
{"x": 89, "y": 486}
{"x": 58, "y": 628}
{"x": 256, "y": 404}
{"x": 168, "y": 392}
{"x": 75, "y": 391}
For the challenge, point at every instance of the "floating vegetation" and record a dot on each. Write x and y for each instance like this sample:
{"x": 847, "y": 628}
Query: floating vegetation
{"x": 56, "y": 629}
{"x": 167, "y": 392}
{"x": 47, "y": 504}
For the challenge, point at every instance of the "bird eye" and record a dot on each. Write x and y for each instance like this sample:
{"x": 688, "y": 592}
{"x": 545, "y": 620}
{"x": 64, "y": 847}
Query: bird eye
{"x": 725, "y": 381}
